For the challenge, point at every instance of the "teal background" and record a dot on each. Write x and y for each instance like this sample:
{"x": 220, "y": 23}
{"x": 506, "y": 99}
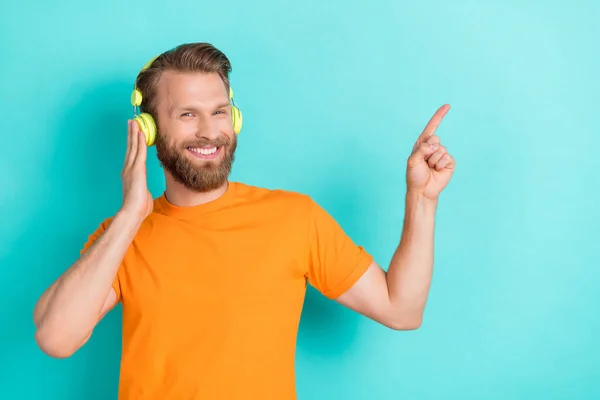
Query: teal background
{"x": 334, "y": 94}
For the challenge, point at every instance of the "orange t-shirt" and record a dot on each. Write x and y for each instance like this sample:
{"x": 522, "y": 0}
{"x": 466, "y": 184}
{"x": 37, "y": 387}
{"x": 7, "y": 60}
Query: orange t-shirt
{"x": 212, "y": 294}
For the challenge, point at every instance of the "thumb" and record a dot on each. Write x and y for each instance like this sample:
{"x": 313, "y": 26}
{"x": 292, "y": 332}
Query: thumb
{"x": 422, "y": 153}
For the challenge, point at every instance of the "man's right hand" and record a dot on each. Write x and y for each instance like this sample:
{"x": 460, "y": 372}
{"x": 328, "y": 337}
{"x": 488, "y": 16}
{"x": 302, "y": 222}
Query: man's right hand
{"x": 137, "y": 200}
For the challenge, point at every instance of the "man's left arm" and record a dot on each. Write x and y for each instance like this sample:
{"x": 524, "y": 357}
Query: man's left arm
{"x": 397, "y": 298}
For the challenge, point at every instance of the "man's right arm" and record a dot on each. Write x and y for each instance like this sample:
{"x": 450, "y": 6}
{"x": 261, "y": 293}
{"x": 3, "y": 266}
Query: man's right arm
{"x": 70, "y": 308}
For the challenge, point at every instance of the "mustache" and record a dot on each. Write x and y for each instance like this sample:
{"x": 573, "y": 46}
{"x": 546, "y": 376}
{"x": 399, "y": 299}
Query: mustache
{"x": 219, "y": 142}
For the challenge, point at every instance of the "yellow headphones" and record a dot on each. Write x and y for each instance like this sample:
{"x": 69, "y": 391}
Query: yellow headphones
{"x": 147, "y": 124}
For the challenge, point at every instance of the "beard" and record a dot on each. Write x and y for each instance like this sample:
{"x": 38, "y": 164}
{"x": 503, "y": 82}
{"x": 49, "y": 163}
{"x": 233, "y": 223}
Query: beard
{"x": 204, "y": 177}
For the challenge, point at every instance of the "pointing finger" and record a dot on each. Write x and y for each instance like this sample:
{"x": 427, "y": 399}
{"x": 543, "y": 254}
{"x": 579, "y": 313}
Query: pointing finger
{"x": 433, "y": 123}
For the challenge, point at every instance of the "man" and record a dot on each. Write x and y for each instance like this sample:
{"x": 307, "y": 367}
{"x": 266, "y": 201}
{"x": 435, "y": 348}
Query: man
{"x": 212, "y": 274}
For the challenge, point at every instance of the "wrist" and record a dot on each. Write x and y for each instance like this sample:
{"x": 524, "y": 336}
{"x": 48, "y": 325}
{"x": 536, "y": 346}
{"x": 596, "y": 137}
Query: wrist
{"x": 129, "y": 218}
{"x": 414, "y": 198}
{"x": 419, "y": 217}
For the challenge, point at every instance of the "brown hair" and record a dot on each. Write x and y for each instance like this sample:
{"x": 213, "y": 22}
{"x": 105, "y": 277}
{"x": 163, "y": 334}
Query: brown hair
{"x": 187, "y": 57}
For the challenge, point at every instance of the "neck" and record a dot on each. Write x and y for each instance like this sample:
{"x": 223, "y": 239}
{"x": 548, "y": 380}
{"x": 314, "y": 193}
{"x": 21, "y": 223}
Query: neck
{"x": 179, "y": 195}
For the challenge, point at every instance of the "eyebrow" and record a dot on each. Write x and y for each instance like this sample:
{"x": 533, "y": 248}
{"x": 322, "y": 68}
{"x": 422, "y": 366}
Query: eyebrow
{"x": 223, "y": 105}
{"x": 192, "y": 108}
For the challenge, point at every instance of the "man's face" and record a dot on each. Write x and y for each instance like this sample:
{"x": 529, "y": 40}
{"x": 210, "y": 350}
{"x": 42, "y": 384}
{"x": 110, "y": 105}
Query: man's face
{"x": 195, "y": 141}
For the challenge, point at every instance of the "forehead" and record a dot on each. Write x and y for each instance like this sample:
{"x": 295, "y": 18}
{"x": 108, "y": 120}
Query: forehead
{"x": 203, "y": 87}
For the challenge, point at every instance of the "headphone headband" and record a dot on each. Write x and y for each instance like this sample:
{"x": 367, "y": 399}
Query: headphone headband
{"x": 136, "y": 95}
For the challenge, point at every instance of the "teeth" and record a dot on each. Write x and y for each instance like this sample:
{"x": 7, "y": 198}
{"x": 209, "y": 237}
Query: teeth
{"x": 203, "y": 151}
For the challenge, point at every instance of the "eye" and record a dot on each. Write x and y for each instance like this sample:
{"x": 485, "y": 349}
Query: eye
{"x": 220, "y": 112}
{"x": 187, "y": 114}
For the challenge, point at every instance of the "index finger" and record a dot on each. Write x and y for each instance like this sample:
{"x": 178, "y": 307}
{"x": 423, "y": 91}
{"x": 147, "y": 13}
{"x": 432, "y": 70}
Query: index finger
{"x": 129, "y": 156}
{"x": 141, "y": 150}
{"x": 433, "y": 123}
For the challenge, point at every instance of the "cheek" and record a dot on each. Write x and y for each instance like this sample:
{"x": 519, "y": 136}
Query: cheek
{"x": 176, "y": 131}
{"x": 226, "y": 127}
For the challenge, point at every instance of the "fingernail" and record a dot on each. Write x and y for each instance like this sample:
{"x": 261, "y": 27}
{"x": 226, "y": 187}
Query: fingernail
{"x": 433, "y": 146}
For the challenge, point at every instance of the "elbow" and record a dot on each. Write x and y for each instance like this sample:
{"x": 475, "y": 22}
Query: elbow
{"x": 52, "y": 345}
{"x": 405, "y": 322}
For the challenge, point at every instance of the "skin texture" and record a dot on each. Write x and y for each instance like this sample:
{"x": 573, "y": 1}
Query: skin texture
{"x": 397, "y": 298}
{"x": 193, "y": 110}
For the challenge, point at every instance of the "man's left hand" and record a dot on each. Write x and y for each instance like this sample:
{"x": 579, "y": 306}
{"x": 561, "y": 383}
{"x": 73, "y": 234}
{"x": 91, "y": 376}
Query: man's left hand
{"x": 430, "y": 166}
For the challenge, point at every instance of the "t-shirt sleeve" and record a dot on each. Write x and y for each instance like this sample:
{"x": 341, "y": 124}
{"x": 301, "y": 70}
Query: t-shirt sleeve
{"x": 91, "y": 239}
{"x": 335, "y": 261}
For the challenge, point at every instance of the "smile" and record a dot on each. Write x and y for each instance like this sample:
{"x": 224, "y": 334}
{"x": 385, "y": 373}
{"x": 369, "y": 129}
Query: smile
{"x": 207, "y": 152}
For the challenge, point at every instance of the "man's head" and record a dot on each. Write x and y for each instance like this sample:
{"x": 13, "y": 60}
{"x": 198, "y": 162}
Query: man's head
{"x": 186, "y": 90}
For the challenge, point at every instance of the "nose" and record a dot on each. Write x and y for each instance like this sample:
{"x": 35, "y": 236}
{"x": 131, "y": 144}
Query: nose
{"x": 208, "y": 129}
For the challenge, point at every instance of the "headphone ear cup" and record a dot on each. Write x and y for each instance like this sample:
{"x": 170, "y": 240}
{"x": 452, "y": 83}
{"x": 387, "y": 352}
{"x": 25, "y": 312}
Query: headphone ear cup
{"x": 236, "y": 116}
{"x": 148, "y": 126}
